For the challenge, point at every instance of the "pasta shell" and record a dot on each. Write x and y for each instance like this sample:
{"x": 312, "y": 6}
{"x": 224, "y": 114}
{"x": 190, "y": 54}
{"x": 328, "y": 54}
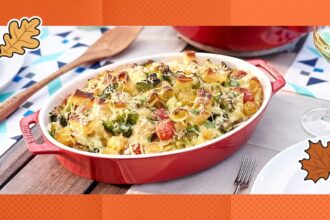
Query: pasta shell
{"x": 130, "y": 88}
{"x": 204, "y": 98}
{"x": 108, "y": 77}
{"x": 80, "y": 98}
{"x": 183, "y": 83}
{"x": 117, "y": 143}
{"x": 200, "y": 118}
{"x": 184, "y": 79}
{"x": 108, "y": 151}
{"x": 122, "y": 76}
{"x": 120, "y": 100}
{"x": 154, "y": 100}
{"x": 209, "y": 75}
{"x": 254, "y": 85}
{"x": 119, "y": 104}
{"x": 179, "y": 126}
{"x": 179, "y": 114}
{"x": 189, "y": 56}
{"x": 153, "y": 147}
{"x": 208, "y": 133}
{"x": 249, "y": 108}
{"x": 167, "y": 92}
{"x": 64, "y": 136}
{"x": 128, "y": 85}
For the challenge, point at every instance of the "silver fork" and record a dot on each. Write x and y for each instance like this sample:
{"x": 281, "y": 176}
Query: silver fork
{"x": 245, "y": 173}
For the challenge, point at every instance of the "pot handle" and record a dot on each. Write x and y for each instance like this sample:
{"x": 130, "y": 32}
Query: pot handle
{"x": 44, "y": 148}
{"x": 279, "y": 80}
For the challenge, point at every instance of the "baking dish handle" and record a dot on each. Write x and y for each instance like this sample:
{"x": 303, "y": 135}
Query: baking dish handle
{"x": 279, "y": 80}
{"x": 43, "y": 148}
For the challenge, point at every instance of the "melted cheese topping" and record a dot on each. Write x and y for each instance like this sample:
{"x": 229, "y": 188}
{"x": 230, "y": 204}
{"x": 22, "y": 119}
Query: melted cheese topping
{"x": 156, "y": 107}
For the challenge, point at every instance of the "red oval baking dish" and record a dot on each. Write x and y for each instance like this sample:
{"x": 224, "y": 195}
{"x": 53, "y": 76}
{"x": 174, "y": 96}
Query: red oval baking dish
{"x": 137, "y": 169}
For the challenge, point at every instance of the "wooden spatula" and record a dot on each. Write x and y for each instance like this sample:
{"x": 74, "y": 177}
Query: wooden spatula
{"x": 110, "y": 43}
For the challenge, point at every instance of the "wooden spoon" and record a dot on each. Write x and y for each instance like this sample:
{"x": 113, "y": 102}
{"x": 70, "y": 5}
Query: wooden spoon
{"x": 110, "y": 43}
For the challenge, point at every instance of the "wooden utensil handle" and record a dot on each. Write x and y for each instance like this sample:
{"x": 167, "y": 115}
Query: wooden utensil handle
{"x": 9, "y": 106}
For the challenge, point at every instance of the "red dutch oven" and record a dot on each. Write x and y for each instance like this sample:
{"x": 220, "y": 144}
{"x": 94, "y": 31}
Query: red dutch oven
{"x": 242, "y": 41}
{"x": 137, "y": 169}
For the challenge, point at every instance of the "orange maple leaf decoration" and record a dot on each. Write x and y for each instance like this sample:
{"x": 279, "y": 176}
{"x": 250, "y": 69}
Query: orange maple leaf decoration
{"x": 318, "y": 164}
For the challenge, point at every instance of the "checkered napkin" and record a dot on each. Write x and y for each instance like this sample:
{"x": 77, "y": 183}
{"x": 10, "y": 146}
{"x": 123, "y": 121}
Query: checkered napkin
{"x": 309, "y": 74}
{"x": 60, "y": 45}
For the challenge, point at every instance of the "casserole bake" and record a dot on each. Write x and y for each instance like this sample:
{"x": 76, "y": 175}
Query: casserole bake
{"x": 144, "y": 168}
{"x": 156, "y": 107}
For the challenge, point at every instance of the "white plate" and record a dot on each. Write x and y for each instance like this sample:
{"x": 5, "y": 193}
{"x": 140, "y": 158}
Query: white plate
{"x": 9, "y": 67}
{"x": 283, "y": 173}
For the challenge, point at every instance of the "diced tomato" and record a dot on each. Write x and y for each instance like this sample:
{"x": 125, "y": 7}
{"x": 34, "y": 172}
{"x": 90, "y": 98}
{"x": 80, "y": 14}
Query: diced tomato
{"x": 165, "y": 130}
{"x": 248, "y": 96}
{"x": 136, "y": 148}
{"x": 239, "y": 74}
{"x": 161, "y": 114}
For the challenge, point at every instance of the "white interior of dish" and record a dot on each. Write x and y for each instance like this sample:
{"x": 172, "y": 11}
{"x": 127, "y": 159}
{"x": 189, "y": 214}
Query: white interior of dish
{"x": 80, "y": 82}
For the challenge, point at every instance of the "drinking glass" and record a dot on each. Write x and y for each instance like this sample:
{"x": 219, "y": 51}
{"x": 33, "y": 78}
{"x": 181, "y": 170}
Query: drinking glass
{"x": 317, "y": 121}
